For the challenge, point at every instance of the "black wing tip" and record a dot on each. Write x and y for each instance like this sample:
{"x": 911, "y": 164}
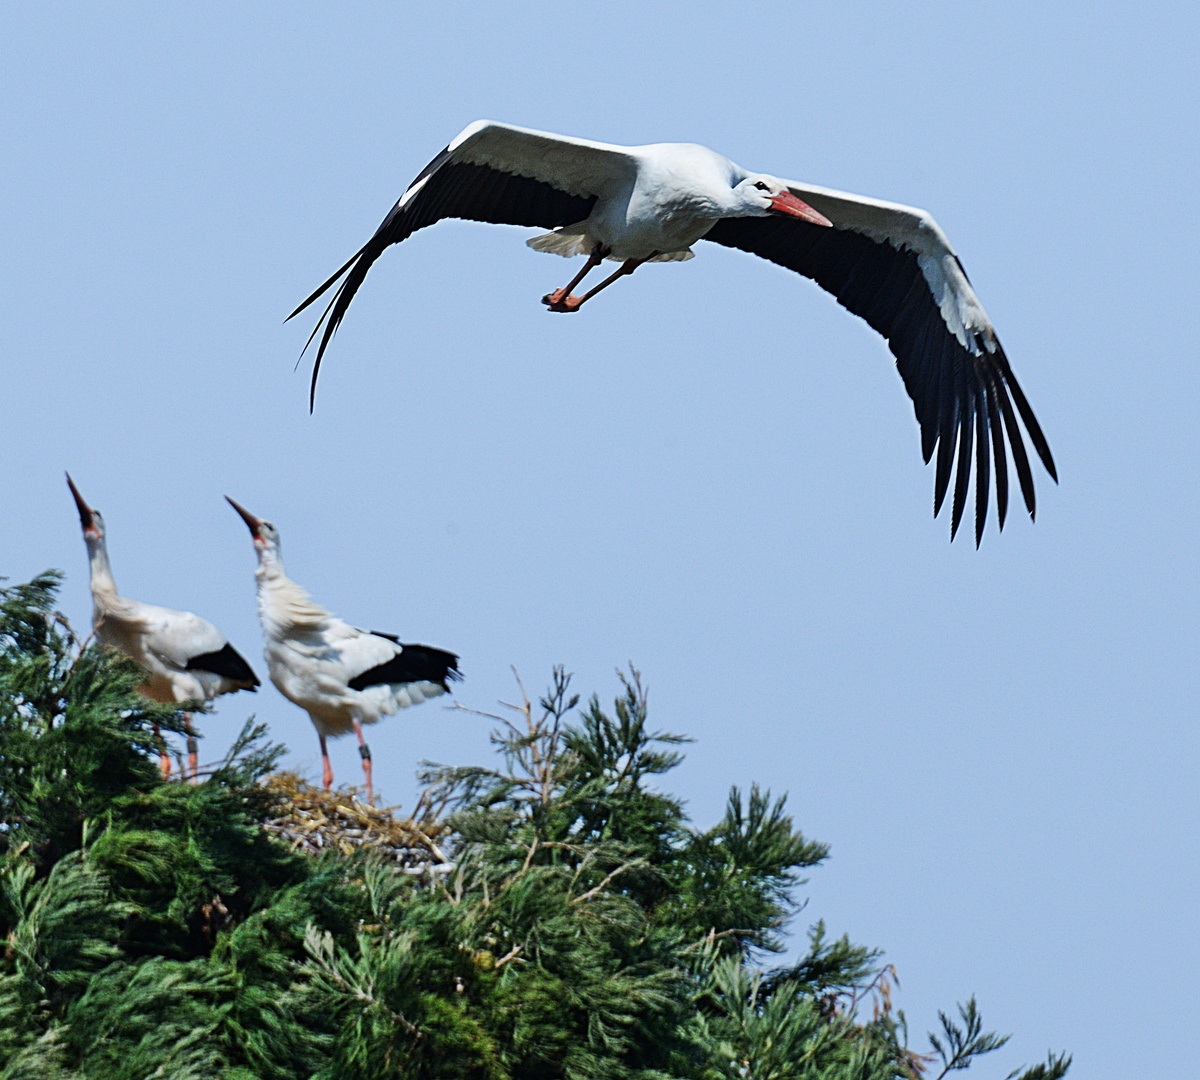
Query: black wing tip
{"x": 945, "y": 378}
{"x": 356, "y": 272}
{"x": 412, "y": 664}
{"x": 228, "y": 663}
{"x": 447, "y": 661}
{"x": 1001, "y": 409}
{"x": 1036, "y": 436}
{"x": 332, "y": 279}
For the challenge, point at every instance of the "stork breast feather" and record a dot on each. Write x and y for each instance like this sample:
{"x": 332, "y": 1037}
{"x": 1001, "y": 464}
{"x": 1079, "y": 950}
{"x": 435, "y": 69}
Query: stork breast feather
{"x": 291, "y": 606}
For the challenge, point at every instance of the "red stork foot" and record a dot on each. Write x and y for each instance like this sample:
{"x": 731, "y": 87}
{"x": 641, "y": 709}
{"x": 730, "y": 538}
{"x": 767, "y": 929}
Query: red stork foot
{"x": 559, "y": 301}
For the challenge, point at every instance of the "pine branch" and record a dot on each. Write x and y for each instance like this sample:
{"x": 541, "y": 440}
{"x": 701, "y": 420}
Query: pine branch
{"x": 585, "y": 930}
{"x": 959, "y": 1045}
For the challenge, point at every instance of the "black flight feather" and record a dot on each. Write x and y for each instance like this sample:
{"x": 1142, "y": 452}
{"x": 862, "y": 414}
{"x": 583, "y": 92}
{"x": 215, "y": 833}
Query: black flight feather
{"x": 998, "y": 450}
{"x": 413, "y": 663}
{"x": 960, "y": 398}
{"x": 226, "y": 662}
{"x": 451, "y": 190}
{"x": 983, "y": 463}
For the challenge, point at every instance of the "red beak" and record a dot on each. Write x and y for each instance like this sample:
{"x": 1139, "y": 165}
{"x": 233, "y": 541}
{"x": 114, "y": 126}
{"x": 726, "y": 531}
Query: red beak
{"x": 251, "y": 521}
{"x": 85, "y": 511}
{"x": 787, "y": 203}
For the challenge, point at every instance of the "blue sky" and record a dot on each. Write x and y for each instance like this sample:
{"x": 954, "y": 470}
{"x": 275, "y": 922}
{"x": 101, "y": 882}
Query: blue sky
{"x": 713, "y": 471}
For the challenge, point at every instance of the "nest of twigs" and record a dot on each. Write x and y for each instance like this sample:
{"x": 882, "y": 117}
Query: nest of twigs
{"x": 313, "y": 821}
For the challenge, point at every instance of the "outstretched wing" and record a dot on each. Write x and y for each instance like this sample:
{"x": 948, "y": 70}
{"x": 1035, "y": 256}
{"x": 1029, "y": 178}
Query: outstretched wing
{"x": 893, "y": 266}
{"x": 490, "y": 172}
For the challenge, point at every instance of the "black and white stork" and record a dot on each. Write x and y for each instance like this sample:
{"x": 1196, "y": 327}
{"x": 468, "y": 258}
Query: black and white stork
{"x": 341, "y": 676}
{"x": 890, "y": 264}
{"x": 185, "y": 657}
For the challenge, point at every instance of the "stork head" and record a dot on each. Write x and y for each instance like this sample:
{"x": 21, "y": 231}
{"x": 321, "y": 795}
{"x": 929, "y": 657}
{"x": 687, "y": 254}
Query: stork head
{"x": 89, "y": 519}
{"x": 763, "y": 196}
{"x": 263, "y": 533}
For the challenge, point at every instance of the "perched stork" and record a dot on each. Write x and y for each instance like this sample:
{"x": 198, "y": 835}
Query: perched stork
{"x": 341, "y": 676}
{"x": 890, "y": 264}
{"x": 185, "y": 657}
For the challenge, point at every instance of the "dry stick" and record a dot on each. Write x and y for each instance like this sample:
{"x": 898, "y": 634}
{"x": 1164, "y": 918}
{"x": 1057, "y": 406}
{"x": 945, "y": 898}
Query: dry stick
{"x": 713, "y": 936}
{"x": 512, "y": 954}
{"x": 454, "y": 706}
{"x": 529, "y": 857}
{"x": 881, "y": 978}
{"x": 619, "y": 870}
{"x": 543, "y": 769}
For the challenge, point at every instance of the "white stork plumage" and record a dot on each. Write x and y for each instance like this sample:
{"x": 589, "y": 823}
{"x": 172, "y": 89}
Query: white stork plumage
{"x": 890, "y": 264}
{"x": 341, "y": 676}
{"x": 185, "y": 657}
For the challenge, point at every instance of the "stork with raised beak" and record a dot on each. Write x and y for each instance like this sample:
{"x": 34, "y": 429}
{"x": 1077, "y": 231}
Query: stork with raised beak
{"x": 185, "y": 657}
{"x": 341, "y": 676}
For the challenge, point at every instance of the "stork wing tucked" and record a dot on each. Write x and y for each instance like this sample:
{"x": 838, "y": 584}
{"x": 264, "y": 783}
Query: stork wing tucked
{"x": 186, "y": 642}
{"x": 893, "y": 266}
{"x": 490, "y": 172}
{"x": 175, "y": 637}
{"x": 413, "y": 663}
{"x": 226, "y": 662}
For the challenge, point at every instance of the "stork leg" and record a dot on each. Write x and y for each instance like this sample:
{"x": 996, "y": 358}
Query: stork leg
{"x": 326, "y": 768}
{"x": 557, "y": 300}
{"x": 193, "y": 756}
{"x": 164, "y": 762}
{"x": 365, "y": 753}
{"x": 574, "y": 303}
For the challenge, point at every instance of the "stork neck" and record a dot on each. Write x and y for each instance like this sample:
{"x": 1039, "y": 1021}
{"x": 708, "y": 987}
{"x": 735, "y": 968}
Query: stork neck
{"x": 270, "y": 566}
{"x": 103, "y": 584}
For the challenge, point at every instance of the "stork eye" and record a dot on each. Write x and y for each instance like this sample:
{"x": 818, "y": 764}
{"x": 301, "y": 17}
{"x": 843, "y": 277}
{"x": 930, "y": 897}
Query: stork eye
{"x": 761, "y": 186}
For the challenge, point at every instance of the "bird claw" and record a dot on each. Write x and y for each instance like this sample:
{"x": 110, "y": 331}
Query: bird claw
{"x": 559, "y": 301}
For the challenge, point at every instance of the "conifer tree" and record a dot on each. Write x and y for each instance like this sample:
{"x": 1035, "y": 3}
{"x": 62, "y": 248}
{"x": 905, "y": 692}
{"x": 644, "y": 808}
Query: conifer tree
{"x": 585, "y": 930}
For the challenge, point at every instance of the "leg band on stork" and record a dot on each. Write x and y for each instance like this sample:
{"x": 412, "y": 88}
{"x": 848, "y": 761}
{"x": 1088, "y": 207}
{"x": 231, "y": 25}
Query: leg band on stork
{"x": 364, "y": 752}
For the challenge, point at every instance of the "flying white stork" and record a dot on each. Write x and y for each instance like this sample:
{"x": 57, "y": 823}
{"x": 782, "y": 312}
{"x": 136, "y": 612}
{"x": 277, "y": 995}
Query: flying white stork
{"x": 890, "y": 264}
{"x": 185, "y": 657}
{"x": 341, "y": 676}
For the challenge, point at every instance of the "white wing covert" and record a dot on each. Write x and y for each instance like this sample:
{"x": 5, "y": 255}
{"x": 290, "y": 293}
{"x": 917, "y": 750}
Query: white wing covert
{"x": 184, "y": 642}
{"x": 178, "y": 636}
